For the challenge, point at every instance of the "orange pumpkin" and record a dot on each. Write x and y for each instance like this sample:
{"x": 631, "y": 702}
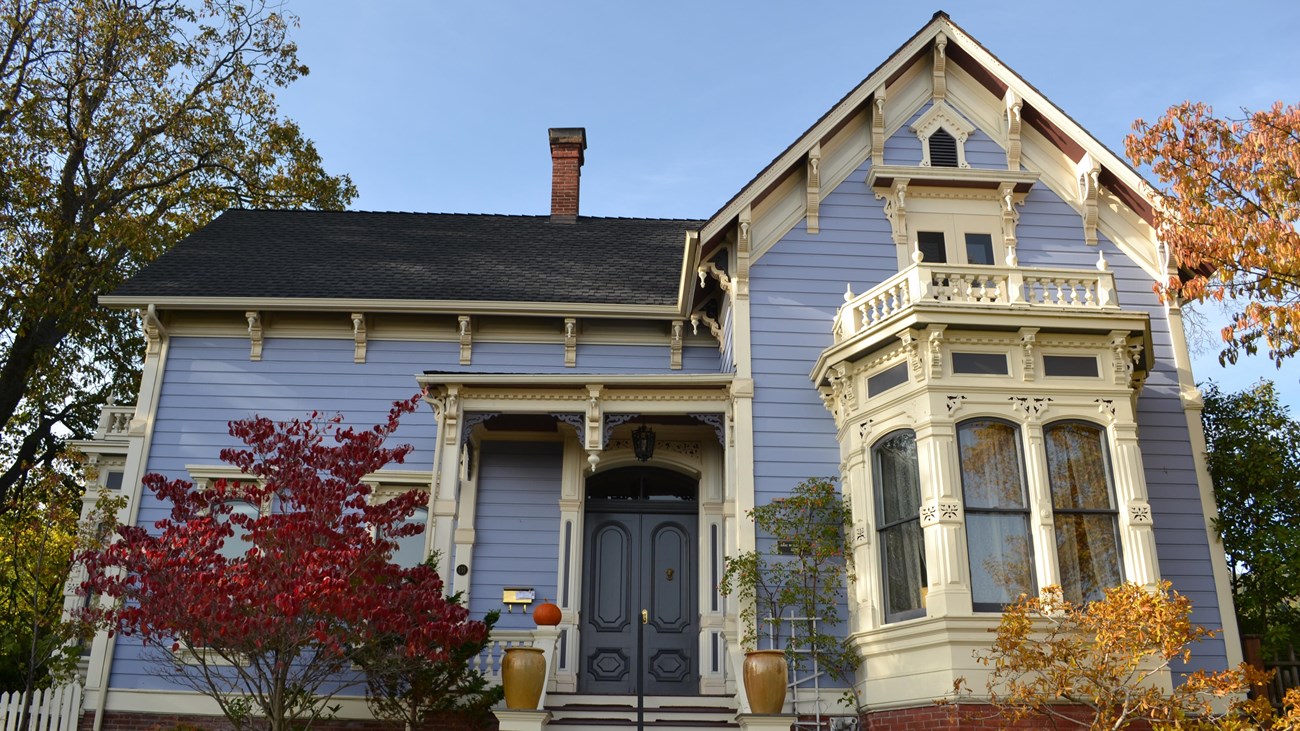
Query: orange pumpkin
{"x": 546, "y": 614}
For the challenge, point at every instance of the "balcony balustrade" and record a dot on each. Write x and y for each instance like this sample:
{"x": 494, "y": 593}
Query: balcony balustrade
{"x": 999, "y": 289}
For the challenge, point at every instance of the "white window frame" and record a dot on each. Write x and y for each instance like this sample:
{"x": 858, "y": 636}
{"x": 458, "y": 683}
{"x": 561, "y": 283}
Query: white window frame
{"x": 954, "y": 227}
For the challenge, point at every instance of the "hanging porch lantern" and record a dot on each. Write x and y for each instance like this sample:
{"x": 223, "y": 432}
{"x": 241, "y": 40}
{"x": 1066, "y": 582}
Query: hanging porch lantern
{"x": 643, "y": 442}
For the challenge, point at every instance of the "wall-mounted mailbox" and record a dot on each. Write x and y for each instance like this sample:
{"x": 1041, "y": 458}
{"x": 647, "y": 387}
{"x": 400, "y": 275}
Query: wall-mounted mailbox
{"x": 513, "y": 596}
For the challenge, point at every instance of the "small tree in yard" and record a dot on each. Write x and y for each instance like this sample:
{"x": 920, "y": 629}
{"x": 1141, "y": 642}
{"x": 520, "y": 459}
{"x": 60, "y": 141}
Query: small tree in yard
{"x": 403, "y": 685}
{"x": 270, "y": 633}
{"x": 805, "y": 571}
{"x": 1107, "y": 657}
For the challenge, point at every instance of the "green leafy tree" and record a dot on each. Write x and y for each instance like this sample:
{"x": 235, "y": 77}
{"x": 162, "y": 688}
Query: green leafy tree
{"x": 39, "y": 534}
{"x": 803, "y": 574}
{"x": 1254, "y": 460}
{"x": 124, "y": 126}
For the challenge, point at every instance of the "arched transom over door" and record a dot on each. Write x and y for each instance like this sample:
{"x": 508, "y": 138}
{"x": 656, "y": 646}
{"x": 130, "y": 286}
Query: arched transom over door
{"x": 639, "y": 614}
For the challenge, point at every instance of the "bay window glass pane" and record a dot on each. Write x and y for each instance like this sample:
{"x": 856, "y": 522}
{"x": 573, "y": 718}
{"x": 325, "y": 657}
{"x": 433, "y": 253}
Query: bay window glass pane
{"x": 904, "y": 570}
{"x": 991, "y": 475}
{"x": 1083, "y": 503}
{"x": 1001, "y": 563}
{"x": 1088, "y": 552}
{"x": 898, "y": 501}
{"x": 409, "y": 550}
{"x": 997, "y": 513}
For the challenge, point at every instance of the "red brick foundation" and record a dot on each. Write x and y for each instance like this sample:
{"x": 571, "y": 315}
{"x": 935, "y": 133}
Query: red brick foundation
{"x": 967, "y": 717}
{"x": 130, "y": 721}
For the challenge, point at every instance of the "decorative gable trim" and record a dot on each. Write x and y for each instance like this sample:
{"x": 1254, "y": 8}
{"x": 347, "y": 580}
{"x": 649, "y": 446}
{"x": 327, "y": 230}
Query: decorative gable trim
{"x": 942, "y": 116}
{"x": 1023, "y": 106}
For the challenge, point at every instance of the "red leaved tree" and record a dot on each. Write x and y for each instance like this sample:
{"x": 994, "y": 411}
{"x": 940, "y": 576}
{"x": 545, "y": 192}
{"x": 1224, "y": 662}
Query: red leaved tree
{"x": 272, "y": 632}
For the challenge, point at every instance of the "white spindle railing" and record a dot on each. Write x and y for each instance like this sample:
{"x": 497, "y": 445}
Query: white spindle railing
{"x": 977, "y": 286}
{"x": 488, "y": 662}
{"x": 114, "y": 421}
{"x": 52, "y": 709}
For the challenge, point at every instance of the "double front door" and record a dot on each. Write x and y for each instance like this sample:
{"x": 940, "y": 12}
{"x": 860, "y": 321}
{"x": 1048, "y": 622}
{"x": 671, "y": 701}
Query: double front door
{"x": 639, "y": 619}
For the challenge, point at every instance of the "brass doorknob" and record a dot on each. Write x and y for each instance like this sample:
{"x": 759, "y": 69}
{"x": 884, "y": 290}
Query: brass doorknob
{"x": 645, "y": 617}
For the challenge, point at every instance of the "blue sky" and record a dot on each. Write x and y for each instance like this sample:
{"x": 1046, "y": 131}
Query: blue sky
{"x": 442, "y": 106}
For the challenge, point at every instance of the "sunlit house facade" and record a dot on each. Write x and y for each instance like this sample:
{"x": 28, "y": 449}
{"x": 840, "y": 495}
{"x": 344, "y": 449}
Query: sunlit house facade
{"x": 941, "y": 293}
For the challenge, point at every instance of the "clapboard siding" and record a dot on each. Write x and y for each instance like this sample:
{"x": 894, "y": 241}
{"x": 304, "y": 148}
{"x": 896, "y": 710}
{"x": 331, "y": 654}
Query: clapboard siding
{"x": 1050, "y": 233}
{"x": 796, "y": 288}
{"x": 517, "y": 525}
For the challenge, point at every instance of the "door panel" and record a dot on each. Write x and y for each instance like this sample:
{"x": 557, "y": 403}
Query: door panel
{"x": 637, "y": 561}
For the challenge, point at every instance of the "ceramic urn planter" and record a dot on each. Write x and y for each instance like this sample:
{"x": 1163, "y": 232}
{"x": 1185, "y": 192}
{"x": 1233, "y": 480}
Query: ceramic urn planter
{"x": 765, "y": 674}
{"x": 523, "y": 674}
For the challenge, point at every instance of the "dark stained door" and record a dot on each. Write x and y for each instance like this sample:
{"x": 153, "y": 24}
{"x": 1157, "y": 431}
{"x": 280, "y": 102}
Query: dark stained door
{"x": 639, "y": 561}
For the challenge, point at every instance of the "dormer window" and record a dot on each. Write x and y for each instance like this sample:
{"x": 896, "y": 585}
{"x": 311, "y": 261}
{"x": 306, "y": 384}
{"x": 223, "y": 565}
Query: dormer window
{"x": 943, "y": 133}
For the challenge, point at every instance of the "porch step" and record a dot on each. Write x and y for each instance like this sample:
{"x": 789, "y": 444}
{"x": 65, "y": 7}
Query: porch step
{"x": 663, "y": 713}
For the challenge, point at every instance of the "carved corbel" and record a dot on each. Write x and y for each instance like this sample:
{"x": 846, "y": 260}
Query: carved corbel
{"x": 711, "y": 269}
{"x": 896, "y": 209}
{"x": 940, "y": 67}
{"x": 912, "y": 348}
{"x": 1028, "y": 336}
{"x": 1089, "y": 179}
{"x": 842, "y": 383}
{"x": 1009, "y": 200}
{"x": 254, "y": 334}
{"x": 570, "y": 342}
{"x": 466, "y": 332}
{"x": 744, "y": 242}
{"x": 935, "y": 347}
{"x": 714, "y": 328}
{"x": 676, "y": 334}
{"x": 878, "y": 127}
{"x": 1125, "y": 357}
{"x": 814, "y": 187}
{"x": 451, "y": 416}
{"x": 358, "y": 337}
{"x": 1014, "y": 105}
{"x": 594, "y": 433}
{"x": 153, "y": 329}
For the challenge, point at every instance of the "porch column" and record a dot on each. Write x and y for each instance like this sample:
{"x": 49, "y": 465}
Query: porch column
{"x": 446, "y": 475}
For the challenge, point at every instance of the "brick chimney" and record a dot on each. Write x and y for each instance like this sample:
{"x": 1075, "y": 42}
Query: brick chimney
{"x": 567, "y": 144}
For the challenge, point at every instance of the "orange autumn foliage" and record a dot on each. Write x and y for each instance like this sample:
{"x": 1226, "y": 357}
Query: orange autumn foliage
{"x": 1113, "y": 657}
{"x": 1228, "y": 213}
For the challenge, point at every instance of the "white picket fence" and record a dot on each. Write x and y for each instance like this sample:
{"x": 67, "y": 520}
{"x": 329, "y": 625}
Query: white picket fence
{"x": 53, "y": 709}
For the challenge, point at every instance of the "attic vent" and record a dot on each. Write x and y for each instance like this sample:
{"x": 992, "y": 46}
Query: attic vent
{"x": 943, "y": 149}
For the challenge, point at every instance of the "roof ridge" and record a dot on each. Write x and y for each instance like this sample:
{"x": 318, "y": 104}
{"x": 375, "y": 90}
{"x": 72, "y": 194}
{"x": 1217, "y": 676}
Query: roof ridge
{"x": 458, "y": 214}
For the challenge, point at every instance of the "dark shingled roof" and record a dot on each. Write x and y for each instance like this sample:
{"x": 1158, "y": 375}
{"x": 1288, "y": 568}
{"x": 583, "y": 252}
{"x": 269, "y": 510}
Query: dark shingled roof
{"x": 422, "y": 256}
